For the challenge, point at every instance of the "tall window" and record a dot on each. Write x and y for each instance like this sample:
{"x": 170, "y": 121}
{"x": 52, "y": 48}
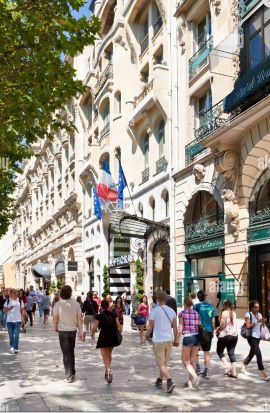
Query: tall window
{"x": 140, "y": 209}
{"x": 146, "y": 151}
{"x": 106, "y": 114}
{"x": 204, "y": 31}
{"x": 257, "y": 36}
{"x": 203, "y": 105}
{"x": 161, "y": 138}
{"x": 118, "y": 103}
{"x": 153, "y": 208}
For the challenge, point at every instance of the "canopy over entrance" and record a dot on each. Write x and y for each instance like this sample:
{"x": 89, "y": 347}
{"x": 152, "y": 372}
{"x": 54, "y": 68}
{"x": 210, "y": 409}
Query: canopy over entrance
{"x": 41, "y": 270}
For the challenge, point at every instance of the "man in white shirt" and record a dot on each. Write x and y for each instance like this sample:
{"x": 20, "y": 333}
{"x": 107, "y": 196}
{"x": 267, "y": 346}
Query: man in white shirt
{"x": 14, "y": 307}
{"x": 162, "y": 321}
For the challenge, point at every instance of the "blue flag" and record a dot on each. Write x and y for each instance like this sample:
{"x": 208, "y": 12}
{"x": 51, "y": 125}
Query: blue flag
{"x": 122, "y": 184}
{"x": 97, "y": 205}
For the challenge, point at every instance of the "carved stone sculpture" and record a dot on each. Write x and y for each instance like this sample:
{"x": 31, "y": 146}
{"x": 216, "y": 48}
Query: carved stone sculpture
{"x": 231, "y": 210}
{"x": 199, "y": 173}
{"x": 227, "y": 164}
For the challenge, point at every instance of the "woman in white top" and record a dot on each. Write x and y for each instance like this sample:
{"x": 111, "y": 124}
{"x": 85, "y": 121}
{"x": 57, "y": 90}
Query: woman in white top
{"x": 227, "y": 338}
{"x": 254, "y": 320}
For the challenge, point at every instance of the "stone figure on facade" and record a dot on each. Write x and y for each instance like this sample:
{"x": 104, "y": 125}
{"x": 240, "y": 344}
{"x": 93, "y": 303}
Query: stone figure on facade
{"x": 231, "y": 210}
{"x": 199, "y": 173}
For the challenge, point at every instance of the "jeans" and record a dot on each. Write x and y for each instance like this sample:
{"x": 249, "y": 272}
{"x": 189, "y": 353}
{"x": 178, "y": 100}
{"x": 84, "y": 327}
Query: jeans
{"x": 254, "y": 351}
{"x": 14, "y": 332}
{"x": 40, "y": 310}
{"x": 228, "y": 342}
{"x": 127, "y": 308}
{"x": 67, "y": 343}
{"x": 3, "y": 319}
{"x": 30, "y": 315}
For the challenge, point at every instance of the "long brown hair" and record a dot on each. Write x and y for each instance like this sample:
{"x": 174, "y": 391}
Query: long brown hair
{"x": 227, "y": 305}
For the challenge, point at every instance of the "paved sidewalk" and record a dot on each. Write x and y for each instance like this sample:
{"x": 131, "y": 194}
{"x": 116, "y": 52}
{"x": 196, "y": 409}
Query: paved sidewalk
{"x": 33, "y": 379}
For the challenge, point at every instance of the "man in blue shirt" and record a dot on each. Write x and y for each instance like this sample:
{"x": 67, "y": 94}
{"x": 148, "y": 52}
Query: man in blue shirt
{"x": 207, "y": 314}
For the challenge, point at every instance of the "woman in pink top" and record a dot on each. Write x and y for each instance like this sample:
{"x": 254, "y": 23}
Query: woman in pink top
{"x": 227, "y": 338}
{"x": 143, "y": 311}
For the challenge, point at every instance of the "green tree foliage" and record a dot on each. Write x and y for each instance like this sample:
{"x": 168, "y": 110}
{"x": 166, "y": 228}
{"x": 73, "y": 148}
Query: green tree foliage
{"x": 52, "y": 287}
{"x": 106, "y": 281}
{"x": 36, "y": 80}
{"x": 139, "y": 279}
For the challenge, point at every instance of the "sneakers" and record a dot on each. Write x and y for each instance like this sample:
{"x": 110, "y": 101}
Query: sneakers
{"x": 70, "y": 379}
{"x": 158, "y": 383}
{"x": 12, "y": 350}
{"x": 205, "y": 374}
{"x": 199, "y": 371}
{"x": 196, "y": 383}
{"x": 170, "y": 386}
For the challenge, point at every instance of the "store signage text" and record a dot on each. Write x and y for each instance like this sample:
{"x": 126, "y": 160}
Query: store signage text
{"x": 124, "y": 259}
{"x": 206, "y": 245}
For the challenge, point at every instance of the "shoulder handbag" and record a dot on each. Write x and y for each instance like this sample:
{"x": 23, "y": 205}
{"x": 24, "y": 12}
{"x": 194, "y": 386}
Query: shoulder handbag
{"x": 246, "y": 332}
{"x": 119, "y": 337}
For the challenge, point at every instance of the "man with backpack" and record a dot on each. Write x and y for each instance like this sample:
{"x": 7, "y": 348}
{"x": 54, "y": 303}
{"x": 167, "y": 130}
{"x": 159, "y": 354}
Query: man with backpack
{"x": 15, "y": 309}
{"x": 207, "y": 315}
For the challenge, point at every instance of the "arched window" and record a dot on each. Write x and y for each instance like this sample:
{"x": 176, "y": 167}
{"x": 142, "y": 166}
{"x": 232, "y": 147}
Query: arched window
{"x": 145, "y": 150}
{"x": 105, "y": 113}
{"x": 152, "y": 203}
{"x": 140, "y": 209}
{"x": 205, "y": 206}
{"x": 161, "y": 138}
{"x": 118, "y": 103}
{"x": 165, "y": 199}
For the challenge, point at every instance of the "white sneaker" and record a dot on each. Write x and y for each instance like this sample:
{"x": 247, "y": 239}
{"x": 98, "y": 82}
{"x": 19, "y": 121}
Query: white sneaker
{"x": 12, "y": 350}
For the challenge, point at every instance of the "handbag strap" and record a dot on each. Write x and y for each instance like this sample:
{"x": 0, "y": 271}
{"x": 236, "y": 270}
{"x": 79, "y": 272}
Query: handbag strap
{"x": 167, "y": 316}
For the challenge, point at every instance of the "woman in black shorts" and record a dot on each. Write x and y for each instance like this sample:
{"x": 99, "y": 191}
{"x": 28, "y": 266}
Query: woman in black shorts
{"x": 109, "y": 336}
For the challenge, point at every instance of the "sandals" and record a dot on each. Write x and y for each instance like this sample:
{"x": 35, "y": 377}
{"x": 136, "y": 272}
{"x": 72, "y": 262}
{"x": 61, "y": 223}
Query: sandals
{"x": 108, "y": 376}
{"x": 232, "y": 376}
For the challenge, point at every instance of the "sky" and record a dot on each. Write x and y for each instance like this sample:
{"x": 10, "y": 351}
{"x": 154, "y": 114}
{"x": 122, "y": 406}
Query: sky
{"x": 84, "y": 10}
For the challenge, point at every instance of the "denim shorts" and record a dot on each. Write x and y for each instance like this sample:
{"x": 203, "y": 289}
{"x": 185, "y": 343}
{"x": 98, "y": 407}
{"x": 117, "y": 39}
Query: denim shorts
{"x": 191, "y": 341}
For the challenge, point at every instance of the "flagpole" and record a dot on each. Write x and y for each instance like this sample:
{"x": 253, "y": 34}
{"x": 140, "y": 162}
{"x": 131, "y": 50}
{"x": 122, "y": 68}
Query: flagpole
{"x": 127, "y": 186}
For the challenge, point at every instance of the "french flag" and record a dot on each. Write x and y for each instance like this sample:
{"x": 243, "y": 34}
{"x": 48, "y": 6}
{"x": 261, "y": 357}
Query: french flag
{"x": 106, "y": 189}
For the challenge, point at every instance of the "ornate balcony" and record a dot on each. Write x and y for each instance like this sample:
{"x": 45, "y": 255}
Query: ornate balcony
{"x": 157, "y": 26}
{"x": 259, "y": 212}
{"x": 146, "y": 90}
{"x": 161, "y": 165}
{"x": 145, "y": 175}
{"x": 208, "y": 227}
{"x": 144, "y": 43}
{"x": 246, "y": 5}
{"x": 105, "y": 131}
{"x": 210, "y": 120}
{"x": 200, "y": 58}
{"x": 106, "y": 75}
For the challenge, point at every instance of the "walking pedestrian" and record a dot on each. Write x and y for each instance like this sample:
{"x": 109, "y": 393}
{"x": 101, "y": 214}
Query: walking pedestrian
{"x": 162, "y": 320}
{"x": 55, "y": 300}
{"x": 3, "y": 315}
{"x": 90, "y": 309}
{"x": 29, "y": 307}
{"x": 227, "y": 338}
{"x": 39, "y": 297}
{"x": 143, "y": 311}
{"x": 207, "y": 315}
{"x": 46, "y": 306}
{"x": 171, "y": 301}
{"x": 67, "y": 317}
{"x": 126, "y": 300}
{"x": 109, "y": 336}
{"x": 110, "y": 301}
{"x": 96, "y": 298}
{"x": 14, "y": 307}
{"x": 120, "y": 310}
{"x": 194, "y": 298}
{"x": 79, "y": 300}
{"x": 189, "y": 321}
{"x": 254, "y": 320}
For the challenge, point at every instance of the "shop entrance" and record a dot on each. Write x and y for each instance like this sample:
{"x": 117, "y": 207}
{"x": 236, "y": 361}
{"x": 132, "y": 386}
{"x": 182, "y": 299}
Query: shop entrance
{"x": 211, "y": 285}
{"x": 265, "y": 287}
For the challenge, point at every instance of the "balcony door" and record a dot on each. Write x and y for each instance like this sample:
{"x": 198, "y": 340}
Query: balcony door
{"x": 203, "y": 31}
{"x": 265, "y": 286}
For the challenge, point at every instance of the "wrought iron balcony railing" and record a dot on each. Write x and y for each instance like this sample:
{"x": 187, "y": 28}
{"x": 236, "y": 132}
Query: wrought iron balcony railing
{"x": 104, "y": 132}
{"x": 145, "y": 175}
{"x": 161, "y": 165}
{"x": 207, "y": 227}
{"x": 209, "y": 120}
{"x": 106, "y": 75}
{"x": 200, "y": 58}
{"x": 146, "y": 90}
{"x": 246, "y": 5}
{"x": 157, "y": 25}
{"x": 144, "y": 43}
{"x": 259, "y": 212}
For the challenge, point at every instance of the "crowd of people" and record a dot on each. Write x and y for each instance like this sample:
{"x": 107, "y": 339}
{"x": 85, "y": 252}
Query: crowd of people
{"x": 157, "y": 323}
